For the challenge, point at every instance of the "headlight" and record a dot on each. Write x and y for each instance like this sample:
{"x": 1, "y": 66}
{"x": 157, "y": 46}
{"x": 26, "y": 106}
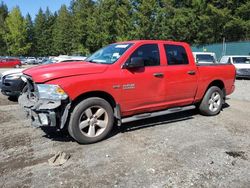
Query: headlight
{"x": 51, "y": 92}
{"x": 14, "y": 76}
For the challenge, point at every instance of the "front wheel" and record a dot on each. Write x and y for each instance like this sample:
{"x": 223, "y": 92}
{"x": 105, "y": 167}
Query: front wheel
{"x": 91, "y": 120}
{"x": 211, "y": 103}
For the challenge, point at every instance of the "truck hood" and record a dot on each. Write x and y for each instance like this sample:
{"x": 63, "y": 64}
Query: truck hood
{"x": 44, "y": 73}
{"x": 242, "y": 66}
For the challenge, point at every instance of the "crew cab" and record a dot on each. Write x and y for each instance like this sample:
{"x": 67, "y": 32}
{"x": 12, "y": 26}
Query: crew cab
{"x": 123, "y": 82}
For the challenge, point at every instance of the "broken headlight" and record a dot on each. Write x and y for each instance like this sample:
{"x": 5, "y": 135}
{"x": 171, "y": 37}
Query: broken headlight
{"x": 51, "y": 92}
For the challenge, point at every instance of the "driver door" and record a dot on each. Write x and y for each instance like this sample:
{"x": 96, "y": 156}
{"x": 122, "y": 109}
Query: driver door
{"x": 143, "y": 87}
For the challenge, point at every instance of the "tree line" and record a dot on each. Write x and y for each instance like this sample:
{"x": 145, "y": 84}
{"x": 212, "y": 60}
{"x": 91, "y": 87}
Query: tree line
{"x": 87, "y": 25}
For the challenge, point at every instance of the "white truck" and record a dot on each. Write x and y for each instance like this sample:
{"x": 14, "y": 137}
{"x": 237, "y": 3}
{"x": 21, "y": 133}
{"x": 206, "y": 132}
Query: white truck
{"x": 241, "y": 63}
{"x": 205, "y": 57}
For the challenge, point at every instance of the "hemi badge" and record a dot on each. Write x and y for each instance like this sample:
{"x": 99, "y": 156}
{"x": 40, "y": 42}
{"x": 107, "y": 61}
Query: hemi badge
{"x": 116, "y": 86}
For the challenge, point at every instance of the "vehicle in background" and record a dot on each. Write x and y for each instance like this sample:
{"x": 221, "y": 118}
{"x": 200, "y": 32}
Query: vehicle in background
{"x": 31, "y": 60}
{"x": 65, "y": 58}
{"x": 40, "y": 60}
{"x": 10, "y": 63}
{"x": 241, "y": 63}
{"x": 61, "y": 59}
{"x": 13, "y": 85}
{"x": 205, "y": 57}
{"x": 23, "y": 60}
{"x": 123, "y": 82}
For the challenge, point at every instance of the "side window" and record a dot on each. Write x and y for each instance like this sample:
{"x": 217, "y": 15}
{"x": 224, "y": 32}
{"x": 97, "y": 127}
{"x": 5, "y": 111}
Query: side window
{"x": 176, "y": 55}
{"x": 149, "y": 53}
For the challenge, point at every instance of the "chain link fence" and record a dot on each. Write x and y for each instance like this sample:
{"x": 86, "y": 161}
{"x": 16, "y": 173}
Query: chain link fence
{"x": 227, "y": 48}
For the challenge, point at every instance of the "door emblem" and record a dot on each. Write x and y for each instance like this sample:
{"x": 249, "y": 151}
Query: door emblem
{"x": 128, "y": 86}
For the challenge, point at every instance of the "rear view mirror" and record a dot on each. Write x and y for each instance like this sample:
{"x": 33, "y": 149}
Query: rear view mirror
{"x": 134, "y": 62}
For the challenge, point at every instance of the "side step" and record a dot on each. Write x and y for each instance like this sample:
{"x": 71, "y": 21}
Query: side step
{"x": 158, "y": 113}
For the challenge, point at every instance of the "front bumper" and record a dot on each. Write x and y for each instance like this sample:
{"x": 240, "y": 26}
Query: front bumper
{"x": 45, "y": 112}
{"x": 242, "y": 76}
{"x": 243, "y": 73}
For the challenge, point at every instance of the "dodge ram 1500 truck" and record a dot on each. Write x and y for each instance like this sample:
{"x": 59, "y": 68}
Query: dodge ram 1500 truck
{"x": 123, "y": 82}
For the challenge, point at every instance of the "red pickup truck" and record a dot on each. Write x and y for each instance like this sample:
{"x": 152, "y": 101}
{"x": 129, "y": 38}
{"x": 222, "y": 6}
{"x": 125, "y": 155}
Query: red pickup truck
{"x": 123, "y": 82}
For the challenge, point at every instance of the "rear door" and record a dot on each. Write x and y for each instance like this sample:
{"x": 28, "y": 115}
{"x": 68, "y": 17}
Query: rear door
{"x": 180, "y": 75}
{"x": 143, "y": 88}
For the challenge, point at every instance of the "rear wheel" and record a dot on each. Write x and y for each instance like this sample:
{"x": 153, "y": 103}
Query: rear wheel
{"x": 91, "y": 120}
{"x": 211, "y": 103}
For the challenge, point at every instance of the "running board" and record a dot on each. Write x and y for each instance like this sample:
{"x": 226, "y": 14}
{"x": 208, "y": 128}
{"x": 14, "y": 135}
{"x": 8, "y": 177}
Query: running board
{"x": 158, "y": 113}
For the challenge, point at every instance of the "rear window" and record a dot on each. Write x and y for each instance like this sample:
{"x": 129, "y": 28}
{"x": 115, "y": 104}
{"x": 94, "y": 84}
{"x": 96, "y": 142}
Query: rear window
{"x": 205, "y": 58}
{"x": 176, "y": 54}
{"x": 242, "y": 60}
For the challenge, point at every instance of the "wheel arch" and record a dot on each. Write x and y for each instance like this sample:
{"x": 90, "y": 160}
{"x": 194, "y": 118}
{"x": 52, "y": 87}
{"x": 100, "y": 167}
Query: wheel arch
{"x": 101, "y": 94}
{"x": 220, "y": 84}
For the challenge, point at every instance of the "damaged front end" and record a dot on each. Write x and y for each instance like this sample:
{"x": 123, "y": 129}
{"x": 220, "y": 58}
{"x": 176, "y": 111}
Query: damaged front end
{"x": 46, "y": 104}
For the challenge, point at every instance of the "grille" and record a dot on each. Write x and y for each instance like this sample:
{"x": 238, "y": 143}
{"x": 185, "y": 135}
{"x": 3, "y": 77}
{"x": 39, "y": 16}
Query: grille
{"x": 244, "y": 70}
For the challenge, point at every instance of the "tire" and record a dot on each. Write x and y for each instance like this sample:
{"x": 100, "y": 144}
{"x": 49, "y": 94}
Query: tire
{"x": 17, "y": 66}
{"x": 91, "y": 120}
{"x": 212, "y": 101}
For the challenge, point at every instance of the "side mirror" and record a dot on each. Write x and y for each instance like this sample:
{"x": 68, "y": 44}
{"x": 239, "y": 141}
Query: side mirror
{"x": 134, "y": 62}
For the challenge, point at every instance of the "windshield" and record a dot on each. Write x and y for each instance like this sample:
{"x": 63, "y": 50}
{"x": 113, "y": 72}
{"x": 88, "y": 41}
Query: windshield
{"x": 204, "y": 58}
{"x": 241, "y": 60}
{"x": 109, "y": 54}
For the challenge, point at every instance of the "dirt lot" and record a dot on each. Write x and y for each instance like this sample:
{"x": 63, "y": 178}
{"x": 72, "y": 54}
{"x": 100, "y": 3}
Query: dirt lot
{"x": 179, "y": 150}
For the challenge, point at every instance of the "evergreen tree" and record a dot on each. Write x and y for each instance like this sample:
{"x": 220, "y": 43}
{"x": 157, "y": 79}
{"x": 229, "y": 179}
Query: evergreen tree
{"x": 16, "y": 36}
{"x": 48, "y": 32}
{"x": 39, "y": 34}
{"x": 145, "y": 18}
{"x": 62, "y": 32}
{"x": 3, "y": 15}
{"x": 30, "y": 33}
{"x": 83, "y": 11}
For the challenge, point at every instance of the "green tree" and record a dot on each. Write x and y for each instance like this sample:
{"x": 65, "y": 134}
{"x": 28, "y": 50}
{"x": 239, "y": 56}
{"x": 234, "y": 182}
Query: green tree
{"x": 62, "y": 32}
{"x": 30, "y": 33}
{"x": 39, "y": 36}
{"x": 16, "y": 36}
{"x": 145, "y": 18}
{"x": 82, "y": 12}
{"x": 48, "y": 32}
{"x": 111, "y": 22}
{"x": 3, "y": 15}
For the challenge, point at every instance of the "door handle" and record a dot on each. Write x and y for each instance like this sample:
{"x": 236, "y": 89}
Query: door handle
{"x": 158, "y": 75}
{"x": 191, "y": 72}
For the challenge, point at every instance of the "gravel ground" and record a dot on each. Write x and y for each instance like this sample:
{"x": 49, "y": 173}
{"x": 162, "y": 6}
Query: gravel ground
{"x": 178, "y": 150}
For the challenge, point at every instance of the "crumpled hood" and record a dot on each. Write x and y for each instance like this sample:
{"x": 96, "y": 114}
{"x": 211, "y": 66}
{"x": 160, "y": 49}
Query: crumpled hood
{"x": 45, "y": 73}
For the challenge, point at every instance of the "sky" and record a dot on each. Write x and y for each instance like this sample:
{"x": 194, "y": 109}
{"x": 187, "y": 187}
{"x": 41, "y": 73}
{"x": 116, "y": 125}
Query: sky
{"x": 32, "y": 6}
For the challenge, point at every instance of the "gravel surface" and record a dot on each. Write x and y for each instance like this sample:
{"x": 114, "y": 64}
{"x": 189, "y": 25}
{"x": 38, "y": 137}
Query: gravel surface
{"x": 178, "y": 150}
